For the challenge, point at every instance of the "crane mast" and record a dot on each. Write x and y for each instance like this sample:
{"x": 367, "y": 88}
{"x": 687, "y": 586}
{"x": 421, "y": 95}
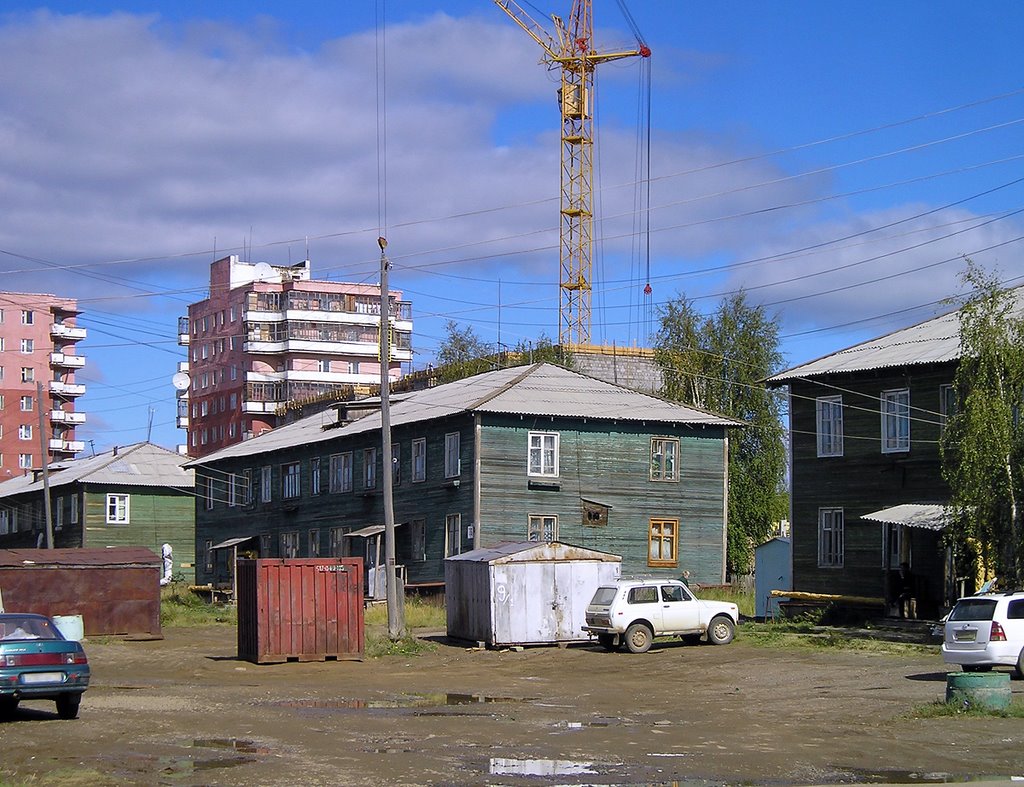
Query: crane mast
{"x": 572, "y": 51}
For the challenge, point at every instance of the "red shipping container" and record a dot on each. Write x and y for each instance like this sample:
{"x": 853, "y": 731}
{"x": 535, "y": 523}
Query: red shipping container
{"x": 300, "y": 609}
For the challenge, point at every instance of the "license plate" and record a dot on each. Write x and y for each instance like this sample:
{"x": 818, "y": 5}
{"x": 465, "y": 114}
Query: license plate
{"x": 42, "y": 677}
{"x": 965, "y": 636}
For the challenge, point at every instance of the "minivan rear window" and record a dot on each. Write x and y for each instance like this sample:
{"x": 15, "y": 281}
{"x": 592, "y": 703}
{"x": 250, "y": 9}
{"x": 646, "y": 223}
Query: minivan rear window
{"x": 973, "y": 609}
{"x": 603, "y": 597}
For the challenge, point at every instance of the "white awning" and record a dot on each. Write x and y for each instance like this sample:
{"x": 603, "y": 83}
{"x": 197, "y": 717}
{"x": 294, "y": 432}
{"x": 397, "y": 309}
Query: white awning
{"x": 232, "y": 542}
{"x": 931, "y": 516}
{"x": 371, "y": 530}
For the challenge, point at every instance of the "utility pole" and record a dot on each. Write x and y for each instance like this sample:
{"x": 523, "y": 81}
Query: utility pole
{"x": 47, "y": 513}
{"x": 396, "y": 616}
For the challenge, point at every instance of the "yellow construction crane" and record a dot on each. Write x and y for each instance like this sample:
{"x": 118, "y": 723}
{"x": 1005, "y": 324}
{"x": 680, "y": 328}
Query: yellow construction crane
{"x": 571, "y": 49}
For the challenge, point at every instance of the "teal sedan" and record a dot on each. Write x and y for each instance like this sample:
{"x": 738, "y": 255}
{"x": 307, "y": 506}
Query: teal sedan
{"x": 38, "y": 663}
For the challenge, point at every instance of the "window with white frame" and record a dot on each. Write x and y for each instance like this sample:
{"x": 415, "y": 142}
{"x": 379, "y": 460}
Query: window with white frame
{"x": 830, "y": 537}
{"x": 118, "y": 509}
{"x": 829, "y": 419}
{"x": 543, "y": 456}
{"x": 369, "y": 468}
{"x": 6, "y": 515}
{"x": 28, "y": 346}
{"x": 419, "y": 459}
{"x": 340, "y": 473}
{"x": 208, "y": 491}
{"x": 947, "y": 404}
{"x": 452, "y": 462}
{"x": 290, "y": 487}
{"x": 58, "y": 514}
{"x": 542, "y": 527}
{"x": 27, "y": 318}
{"x": 73, "y": 516}
{"x": 895, "y": 407}
{"x": 664, "y": 458}
{"x": 338, "y": 541}
{"x": 25, "y": 461}
{"x": 266, "y": 493}
{"x": 28, "y": 374}
{"x": 27, "y": 403}
{"x": 290, "y": 544}
{"x": 895, "y": 548}
{"x": 663, "y": 543}
{"x": 25, "y": 432}
{"x": 232, "y": 490}
{"x": 314, "y": 475}
{"x": 453, "y": 535}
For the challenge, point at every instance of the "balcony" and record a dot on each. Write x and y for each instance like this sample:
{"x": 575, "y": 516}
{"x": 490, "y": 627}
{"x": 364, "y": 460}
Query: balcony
{"x": 66, "y": 389}
{"x": 61, "y": 331}
{"x": 66, "y": 446}
{"x": 64, "y": 417}
{"x": 67, "y": 361}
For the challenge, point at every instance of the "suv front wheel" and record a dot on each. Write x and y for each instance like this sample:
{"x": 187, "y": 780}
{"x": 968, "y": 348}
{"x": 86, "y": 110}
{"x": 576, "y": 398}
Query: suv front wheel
{"x": 639, "y": 638}
{"x": 721, "y": 630}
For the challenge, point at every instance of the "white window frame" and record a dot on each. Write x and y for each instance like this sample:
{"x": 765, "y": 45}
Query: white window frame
{"x": 452, "y": 455}
{"x": 291, "y": 480}
{"x": 339, "y": 473}
{"x": 73, "y": 518}
{"x": 664, "y": 459}
{"x": 314, "y": 476}
{"x": 6, "y": 515}
{"x": 289, "y": 544}
{"x": 28, "y": 346}
{"x": 894, "y": 541}
{"x": 542, "y": 457}
{"x": 890, "y": 404}
{"x": 831, "y": 537}
{"x": 419, "y": 460}
{"x": 452, "y": 533}
{"x": 58, "y": 513}
{"x": 25, "y": 432}
{"x": 947, "y": 405}
{"x": 27, "y": 400}
{"x": 369, "y": 468}
{"x": 266, "y": 491}
{"x": 542, "y": 527}
{"x": 828, "y": 416}
{"x": 118, "y": 509}
{"x": 25, "y": 461}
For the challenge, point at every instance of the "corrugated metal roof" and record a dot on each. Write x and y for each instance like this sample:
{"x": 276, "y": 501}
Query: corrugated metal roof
{"x": 533, "y": 551}
{"x": 41, "y": 558}
{"x": 539, "y": 390}
{"x": 933, "y": 341}
{"x": 141, "y": 464}
{"x": 932, "y": 516}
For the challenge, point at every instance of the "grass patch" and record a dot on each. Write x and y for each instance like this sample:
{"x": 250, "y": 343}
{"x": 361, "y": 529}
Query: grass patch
{"x": 807, "y": 635}
{"x": 379, "y": 644}
{"x": 179, "y": 606}
{"x": 420, "y": 613}
{"x": 940, "y": 709}
{"x": 742, "y": 599}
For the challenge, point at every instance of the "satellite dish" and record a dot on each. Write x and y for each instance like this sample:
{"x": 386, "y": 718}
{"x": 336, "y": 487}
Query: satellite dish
{"x": 263, "y": 271}
{"x": 180, "y": 381}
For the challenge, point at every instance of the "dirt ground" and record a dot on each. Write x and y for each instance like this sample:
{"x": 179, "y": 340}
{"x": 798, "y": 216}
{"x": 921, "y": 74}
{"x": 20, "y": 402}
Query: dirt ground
{"x": 186, "y": 711}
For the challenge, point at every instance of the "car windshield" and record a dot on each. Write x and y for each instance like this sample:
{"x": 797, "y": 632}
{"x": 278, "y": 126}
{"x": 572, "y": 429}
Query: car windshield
{"x": 973, "y": 609}
{"x": 603, "y": 597}
{"x": 26, "y": 627}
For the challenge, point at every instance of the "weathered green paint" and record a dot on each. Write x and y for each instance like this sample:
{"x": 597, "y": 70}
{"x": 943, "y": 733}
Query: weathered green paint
{"x": 605, "y": 462}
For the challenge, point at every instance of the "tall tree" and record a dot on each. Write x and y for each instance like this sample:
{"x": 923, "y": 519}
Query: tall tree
{"x": 462, "y": 353}
{"x": 983, "y": 443}
{"x": 717, "y": 362}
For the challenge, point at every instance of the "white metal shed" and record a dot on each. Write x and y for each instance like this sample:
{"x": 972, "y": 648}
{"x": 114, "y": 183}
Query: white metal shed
{"x": 527, "y": 593}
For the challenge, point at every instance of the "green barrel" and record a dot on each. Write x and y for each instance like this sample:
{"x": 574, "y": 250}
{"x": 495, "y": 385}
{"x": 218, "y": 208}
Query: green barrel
{"x": 979, "y": 689}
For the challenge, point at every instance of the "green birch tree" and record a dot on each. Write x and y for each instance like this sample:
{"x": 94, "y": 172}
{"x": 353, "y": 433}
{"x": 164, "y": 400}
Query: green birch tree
{"x": 717, "y": 362}
{"x": 983, "y": 442}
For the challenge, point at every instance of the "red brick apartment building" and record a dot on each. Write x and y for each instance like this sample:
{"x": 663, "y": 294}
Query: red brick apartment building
{"x": 37, "y": 346}
{"x": 268, "y": 335}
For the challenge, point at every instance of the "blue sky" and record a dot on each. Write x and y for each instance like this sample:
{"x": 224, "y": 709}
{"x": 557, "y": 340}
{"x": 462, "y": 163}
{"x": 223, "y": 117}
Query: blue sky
{"x": 835, "y": 160}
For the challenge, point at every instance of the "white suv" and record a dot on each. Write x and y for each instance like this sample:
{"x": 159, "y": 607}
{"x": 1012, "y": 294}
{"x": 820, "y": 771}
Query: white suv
{"x": 635, "y": 611}
{"x": 986, "y": 631}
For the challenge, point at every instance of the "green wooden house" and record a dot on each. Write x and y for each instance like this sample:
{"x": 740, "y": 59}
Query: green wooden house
{"x": 528, "y": 453}
{"x": 867, "y": 487}
{"x": 137, "y": 495}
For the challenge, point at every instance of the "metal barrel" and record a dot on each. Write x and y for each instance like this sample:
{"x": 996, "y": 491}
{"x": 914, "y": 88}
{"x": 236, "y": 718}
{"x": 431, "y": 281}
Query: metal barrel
{"x": 979, "y": 689}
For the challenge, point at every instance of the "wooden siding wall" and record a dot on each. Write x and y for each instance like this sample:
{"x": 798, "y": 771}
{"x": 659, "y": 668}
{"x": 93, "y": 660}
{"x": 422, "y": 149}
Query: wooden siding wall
{"x": 610, "y": 464}
{"x": 156, "y": 516}
{"x": 864, "y": 479}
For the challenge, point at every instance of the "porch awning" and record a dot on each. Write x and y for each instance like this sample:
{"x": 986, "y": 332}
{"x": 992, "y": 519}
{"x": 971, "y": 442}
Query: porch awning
{"x": 371, "y": 530}
{"x": 931, "y": 516}
{"x": 232, "y": 542}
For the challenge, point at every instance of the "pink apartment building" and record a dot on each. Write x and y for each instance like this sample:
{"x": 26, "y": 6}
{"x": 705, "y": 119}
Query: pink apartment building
{"x": 37, "y": 346}
{"x": 268, "y": 335}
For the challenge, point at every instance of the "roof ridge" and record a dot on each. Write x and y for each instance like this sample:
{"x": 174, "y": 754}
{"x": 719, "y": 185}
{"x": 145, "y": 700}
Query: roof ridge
{"x": 507, "y": 386}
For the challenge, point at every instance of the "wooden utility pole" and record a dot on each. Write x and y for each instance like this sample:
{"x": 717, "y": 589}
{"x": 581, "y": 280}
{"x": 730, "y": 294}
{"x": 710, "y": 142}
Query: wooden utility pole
{"x": 396, "y": 618}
